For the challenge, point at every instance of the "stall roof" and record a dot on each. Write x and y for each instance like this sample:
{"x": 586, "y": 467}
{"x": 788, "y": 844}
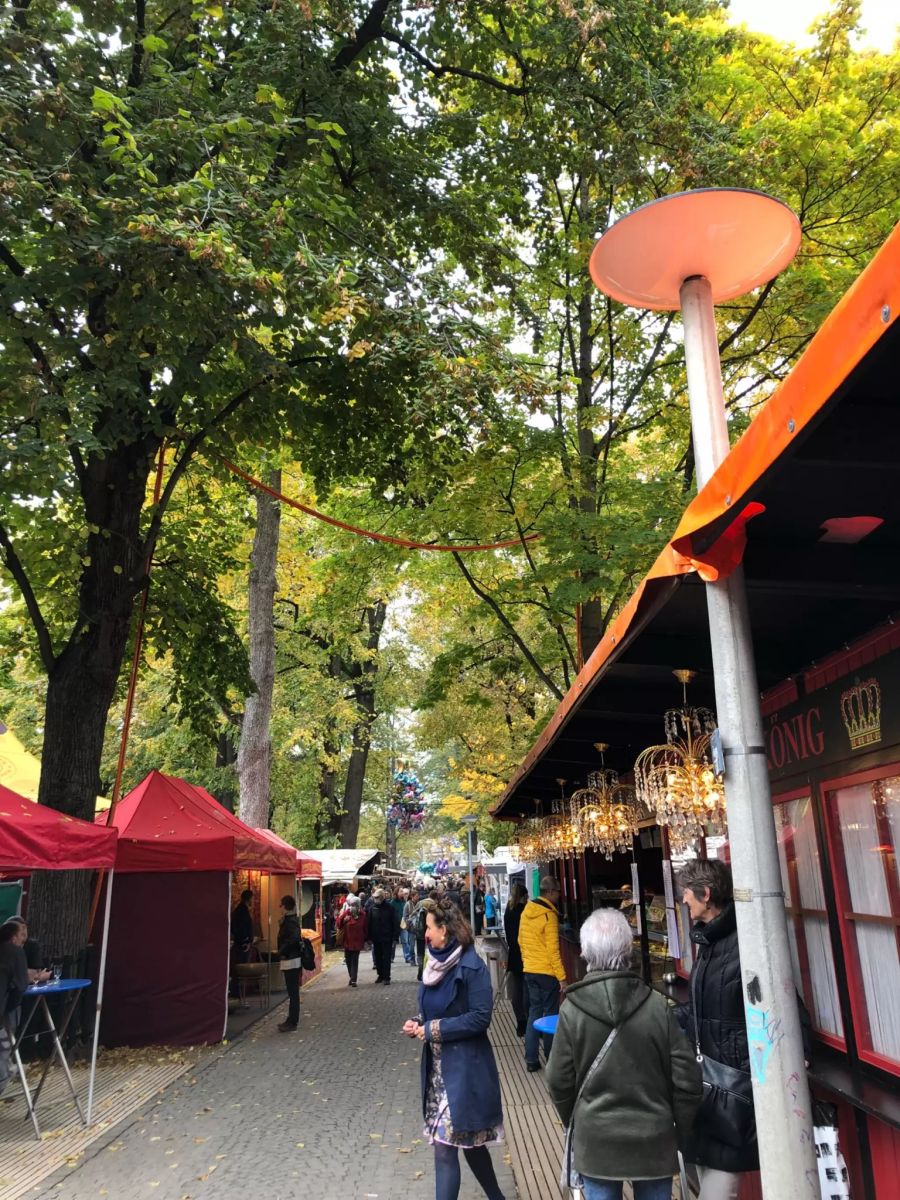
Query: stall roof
{"x": 36, "y": 838}
{"x": 167, "y": 824}
{"x": 308, "y": 867}
{"x": 808, "y": 497}
{"x": 340, "y": 865}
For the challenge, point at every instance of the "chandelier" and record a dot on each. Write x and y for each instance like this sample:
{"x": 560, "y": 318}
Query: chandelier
{"x": 677, "y": 780}
{"x": 559, "y": 833}
{"x": 604, "y": 812}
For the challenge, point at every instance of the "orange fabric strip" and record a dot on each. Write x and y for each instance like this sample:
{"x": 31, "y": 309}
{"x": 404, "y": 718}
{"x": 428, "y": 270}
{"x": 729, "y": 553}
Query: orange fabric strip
{"x": 376, "y": 537}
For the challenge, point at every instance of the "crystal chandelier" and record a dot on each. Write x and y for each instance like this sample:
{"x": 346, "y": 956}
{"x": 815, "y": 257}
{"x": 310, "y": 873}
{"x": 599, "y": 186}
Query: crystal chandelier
{"x": 604, "y": 812}
{"x": 559, "y": 834}
{"x": 677, "y": 780}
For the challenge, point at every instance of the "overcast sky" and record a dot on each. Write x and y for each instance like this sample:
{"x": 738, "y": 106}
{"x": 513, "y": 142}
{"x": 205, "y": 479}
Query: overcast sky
{"x": 789, "y": 20}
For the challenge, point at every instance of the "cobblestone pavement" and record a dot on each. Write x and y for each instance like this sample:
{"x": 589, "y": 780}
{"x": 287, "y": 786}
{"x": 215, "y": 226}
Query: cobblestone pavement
{"x": 331, "y": 1112}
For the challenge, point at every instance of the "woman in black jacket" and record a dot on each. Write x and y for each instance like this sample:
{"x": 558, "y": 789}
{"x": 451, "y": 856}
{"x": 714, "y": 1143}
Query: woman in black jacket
{"x": 715, "y": 1017}
{"x": 289, "y": 949}
{"x": 518, "y": 898}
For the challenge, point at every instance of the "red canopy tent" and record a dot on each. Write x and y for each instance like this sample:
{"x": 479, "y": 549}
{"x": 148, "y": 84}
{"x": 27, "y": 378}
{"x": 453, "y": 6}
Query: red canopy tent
{"x": 169, "y": 934}
{"x": 36, "y": 838}
{"x": 308, "y": 867}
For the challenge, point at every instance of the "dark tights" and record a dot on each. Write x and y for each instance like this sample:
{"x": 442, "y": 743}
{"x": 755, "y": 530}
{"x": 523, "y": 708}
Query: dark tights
{"x": 447, "y": 1175}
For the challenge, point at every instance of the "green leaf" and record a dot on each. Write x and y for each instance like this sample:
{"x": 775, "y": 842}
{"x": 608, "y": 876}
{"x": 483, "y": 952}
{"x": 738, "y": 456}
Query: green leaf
{"x": 153, "y": 44}
{"x": 104, "y": 101}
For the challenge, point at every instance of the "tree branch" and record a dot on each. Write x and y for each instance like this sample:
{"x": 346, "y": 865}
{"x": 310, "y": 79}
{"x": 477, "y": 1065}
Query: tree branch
{"x": 190, "y": 449}
{"x": 509, "y": 627}
{"x": 369, "y": 31}
{"x": 440, "y": 69}
{"x": 137, "y": 46}
{"x": 739, "y": 329}
{"x": 15, "y": 568}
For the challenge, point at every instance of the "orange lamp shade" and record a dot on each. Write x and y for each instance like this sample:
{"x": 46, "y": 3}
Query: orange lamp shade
{"x": 737, "y": 239}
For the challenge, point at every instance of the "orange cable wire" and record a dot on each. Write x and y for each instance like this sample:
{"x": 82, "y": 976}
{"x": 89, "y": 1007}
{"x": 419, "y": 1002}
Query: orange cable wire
{"x": 368, "y": 533}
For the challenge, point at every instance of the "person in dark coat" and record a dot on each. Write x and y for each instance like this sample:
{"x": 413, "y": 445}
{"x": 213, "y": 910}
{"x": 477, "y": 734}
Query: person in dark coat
{"x": 289, "y": 937}
{"x": 355, "y": 925}
{"x": 715, "y": 1016}
{"x": 384, "y": 930}
{"x": 518, "y": 898}
{"x": 15, "y": 976}
{"x": 460, "y": 1085}
{"x": 641, "y": 1099}
{"x": 242, "y": 928}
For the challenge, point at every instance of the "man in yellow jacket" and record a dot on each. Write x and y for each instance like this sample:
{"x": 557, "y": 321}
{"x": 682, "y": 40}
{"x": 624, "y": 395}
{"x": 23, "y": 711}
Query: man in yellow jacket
{"x": 543, "y": 971}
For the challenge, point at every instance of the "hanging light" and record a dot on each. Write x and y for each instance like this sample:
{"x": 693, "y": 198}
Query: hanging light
{"x": 558, "y": 835}
{"x": 604, "y": 812}
{"x": 677, "y": 781}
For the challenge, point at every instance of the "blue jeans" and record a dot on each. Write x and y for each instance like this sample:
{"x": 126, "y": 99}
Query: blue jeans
{"x": 408, "y": 945}
{"x": 543, "y": 1001}
{"x": 611, "y": 1189}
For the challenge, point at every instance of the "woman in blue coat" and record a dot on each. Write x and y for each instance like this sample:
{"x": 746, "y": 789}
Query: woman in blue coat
{"x": 460, "y": 1085}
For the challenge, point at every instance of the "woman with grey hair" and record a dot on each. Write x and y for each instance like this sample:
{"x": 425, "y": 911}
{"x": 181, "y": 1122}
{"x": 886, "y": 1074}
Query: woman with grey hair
{"x": 621, "y": 1073}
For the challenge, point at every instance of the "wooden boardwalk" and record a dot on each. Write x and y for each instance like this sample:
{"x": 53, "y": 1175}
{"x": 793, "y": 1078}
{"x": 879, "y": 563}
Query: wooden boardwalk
{"x": 534, "y": 1132}
{"x": 126, "y": 1080}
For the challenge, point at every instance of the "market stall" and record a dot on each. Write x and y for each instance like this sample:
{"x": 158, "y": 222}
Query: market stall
{"x": 36, "y": 838}
{"x": 306, "y": 888}
{"x": 169, "y": 937}
{"x": 341, "y": 873}
{"x": 806, "y": 504}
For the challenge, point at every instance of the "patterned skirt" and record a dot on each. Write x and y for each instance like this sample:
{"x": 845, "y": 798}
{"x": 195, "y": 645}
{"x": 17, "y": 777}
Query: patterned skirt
{"x": 438, "y": 1126}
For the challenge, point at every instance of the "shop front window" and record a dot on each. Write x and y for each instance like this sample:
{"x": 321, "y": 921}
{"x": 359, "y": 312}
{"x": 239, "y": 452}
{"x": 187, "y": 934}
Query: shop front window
{"x": 864, "y": 816}
{"x": 804, "y": 900}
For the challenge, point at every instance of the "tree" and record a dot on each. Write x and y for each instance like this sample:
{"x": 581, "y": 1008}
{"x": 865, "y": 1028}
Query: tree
{"x": 193, "y": 253}
{"x": 254, "y": 760}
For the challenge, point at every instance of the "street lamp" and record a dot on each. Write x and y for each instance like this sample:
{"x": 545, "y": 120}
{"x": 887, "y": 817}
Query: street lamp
{"x": 470, "y": 821}
{"x": 688, "y": 251}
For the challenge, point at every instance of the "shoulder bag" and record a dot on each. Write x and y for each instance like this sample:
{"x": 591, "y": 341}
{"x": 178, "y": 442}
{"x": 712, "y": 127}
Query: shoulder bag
{"x": 569, "y": 1178}
{"x": 726, "y": 1110}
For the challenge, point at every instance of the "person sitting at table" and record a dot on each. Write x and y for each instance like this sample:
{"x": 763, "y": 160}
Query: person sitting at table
{"x": 34, "y": 955}
{"x": 15, "y": 976}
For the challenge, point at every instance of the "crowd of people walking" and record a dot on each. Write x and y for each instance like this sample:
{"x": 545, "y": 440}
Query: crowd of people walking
{"x": 625, "y": 1067}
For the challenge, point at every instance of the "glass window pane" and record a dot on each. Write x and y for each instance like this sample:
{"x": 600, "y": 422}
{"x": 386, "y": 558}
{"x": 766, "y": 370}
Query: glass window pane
{"x": 811, "y": 953}
{"x": 868, "y": 824}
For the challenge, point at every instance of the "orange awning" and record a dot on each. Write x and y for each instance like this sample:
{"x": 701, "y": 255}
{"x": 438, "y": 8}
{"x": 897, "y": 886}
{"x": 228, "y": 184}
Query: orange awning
{"x": 715, "y": 527}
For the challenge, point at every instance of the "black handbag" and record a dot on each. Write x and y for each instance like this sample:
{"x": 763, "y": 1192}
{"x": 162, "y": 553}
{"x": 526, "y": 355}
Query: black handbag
{"x": 726, "y": 1110}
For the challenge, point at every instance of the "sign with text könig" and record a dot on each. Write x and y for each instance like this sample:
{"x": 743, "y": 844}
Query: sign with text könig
{"x": 855, "y": 715}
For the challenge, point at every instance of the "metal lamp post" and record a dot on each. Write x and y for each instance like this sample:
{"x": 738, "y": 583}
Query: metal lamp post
{"x": 690, "y": 251}
{"x": 470, "y": 822}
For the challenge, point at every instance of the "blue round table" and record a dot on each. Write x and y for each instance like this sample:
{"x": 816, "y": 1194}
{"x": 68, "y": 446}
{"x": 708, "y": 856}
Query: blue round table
{"x": 40, "y": 993}
{"x": 546, "y": 1024}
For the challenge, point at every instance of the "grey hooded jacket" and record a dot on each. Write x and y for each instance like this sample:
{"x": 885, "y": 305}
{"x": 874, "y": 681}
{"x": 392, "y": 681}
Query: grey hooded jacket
{"x": 639, "y": 1105}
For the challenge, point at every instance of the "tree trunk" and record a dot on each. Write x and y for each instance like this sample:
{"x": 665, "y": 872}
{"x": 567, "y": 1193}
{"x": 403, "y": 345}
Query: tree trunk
{"x": 328, "y": 819}
{"x": 254, "y": 760}
{"x": 81, "y": 681}
{"x": 364, "y": 695}
{"x": 226, "y": 756}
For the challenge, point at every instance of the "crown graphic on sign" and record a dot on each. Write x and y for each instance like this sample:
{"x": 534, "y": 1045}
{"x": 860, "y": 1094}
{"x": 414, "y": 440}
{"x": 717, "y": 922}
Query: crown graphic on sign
{"x": 861, "y": 710}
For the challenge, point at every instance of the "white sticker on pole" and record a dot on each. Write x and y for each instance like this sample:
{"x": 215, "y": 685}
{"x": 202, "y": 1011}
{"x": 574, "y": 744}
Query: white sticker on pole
{"x": 636, "y": 897}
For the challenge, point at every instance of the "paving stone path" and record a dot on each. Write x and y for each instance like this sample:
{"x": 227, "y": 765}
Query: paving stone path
{"x": 331, "y": 1112}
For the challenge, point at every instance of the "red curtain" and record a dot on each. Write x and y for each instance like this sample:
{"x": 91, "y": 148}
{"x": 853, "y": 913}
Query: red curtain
{"x": 167, "y": 969}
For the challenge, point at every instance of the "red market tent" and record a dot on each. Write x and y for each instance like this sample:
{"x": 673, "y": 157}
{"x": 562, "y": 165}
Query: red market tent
{"x": 167, "y": 824}
{"x": 308, "y": 867}
{"x": 36, "y": 838}
{"x": 169, "y": 933}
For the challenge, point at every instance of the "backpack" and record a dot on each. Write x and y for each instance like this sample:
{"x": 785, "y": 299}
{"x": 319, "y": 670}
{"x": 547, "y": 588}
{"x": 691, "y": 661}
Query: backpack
{"x": 307, "y": 955}
{"x": 417, "y": 921}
